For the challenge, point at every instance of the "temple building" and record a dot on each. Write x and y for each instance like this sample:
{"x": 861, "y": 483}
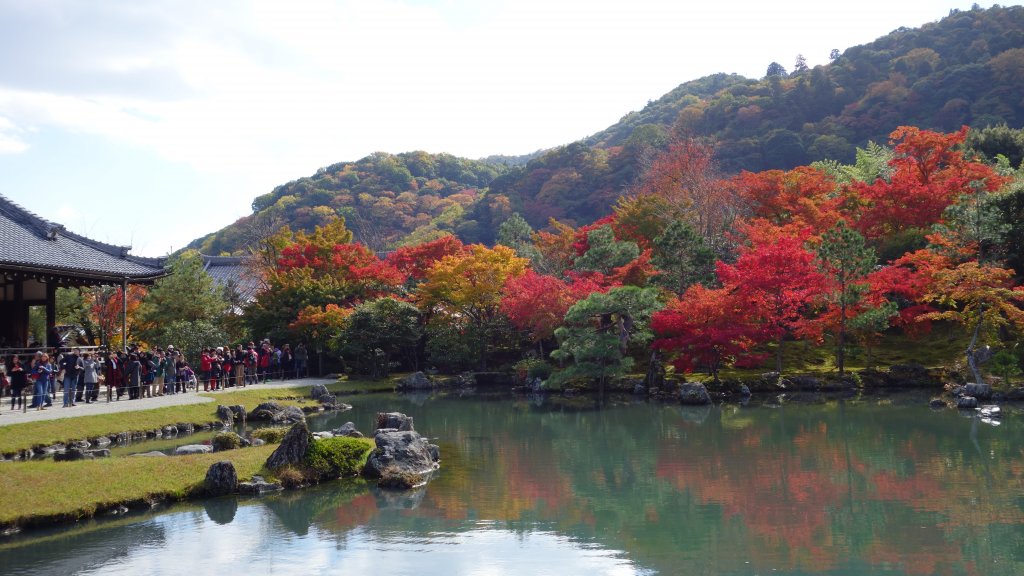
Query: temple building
{"x": 38, "y": 256}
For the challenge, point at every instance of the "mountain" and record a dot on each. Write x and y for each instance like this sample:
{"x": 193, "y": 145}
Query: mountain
{"x": 966, "y": 69}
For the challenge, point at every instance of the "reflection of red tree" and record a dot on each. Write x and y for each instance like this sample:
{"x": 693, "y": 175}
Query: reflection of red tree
{"x": 515, "y": 484}
{"x": 359, "y": 511}
{"x": 785, "y": 499}
{"x": 796, "y": 501}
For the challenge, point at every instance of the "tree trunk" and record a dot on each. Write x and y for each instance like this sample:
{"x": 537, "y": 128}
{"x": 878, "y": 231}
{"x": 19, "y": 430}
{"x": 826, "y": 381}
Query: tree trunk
{"x": 778, "y": 356}
{"x": 973, "y": 346}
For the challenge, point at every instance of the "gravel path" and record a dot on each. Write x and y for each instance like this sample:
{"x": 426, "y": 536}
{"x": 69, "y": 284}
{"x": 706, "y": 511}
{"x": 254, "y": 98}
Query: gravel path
{"x": 8, "y": 416}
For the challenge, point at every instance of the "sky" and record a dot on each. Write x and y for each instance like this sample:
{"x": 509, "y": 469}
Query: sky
{"x": 149, "y": 123}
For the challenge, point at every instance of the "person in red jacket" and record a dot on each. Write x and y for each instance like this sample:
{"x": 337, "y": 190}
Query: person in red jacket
{"x": 205, "y": 364}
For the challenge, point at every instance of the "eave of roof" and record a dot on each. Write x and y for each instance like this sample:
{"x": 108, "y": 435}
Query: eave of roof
{"x": 31, "y": 245}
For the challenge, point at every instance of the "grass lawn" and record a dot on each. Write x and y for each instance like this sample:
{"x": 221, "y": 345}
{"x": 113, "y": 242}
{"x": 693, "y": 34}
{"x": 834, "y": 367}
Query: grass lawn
{"x": 15, "y": 437}
{"x": 72, "y": 490}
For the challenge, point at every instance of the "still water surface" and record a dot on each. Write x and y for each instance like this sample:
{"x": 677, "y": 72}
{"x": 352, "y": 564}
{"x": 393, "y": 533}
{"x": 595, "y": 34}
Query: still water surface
{"x": 561, "y": 487}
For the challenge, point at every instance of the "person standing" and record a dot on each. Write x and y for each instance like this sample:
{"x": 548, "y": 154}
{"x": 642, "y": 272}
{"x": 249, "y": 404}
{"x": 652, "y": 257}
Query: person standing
{"x": 301, "y": 357}
{"x": 69, "y": 365}
{"x": 42, "y": 371}
{"x": 18, "y": 380}
{"x": 90, "y": 376}
{"x": 170, "y": 370}
{"x": 133, "y": 376}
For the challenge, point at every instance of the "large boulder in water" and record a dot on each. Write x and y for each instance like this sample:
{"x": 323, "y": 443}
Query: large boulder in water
{"x": 293, "y": 447}
{"x": 401, "y": 452}
{"x": 394, "y": 420}
{"x": 276, "y": 413}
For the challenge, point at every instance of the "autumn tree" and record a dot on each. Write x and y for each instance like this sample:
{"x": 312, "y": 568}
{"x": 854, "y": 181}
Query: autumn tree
{"x": 981, "y": 297}
{"x": 929, "y": 173}
{"x": 316, "y": 270}
{"x": 705, "y": 328}
{"x": 537, "y": 303}
{"x": 686, "y": 176}
{"x": 469, "y": 286}
{"x": 106, "y": 305}
{"x": 779, "y": 279}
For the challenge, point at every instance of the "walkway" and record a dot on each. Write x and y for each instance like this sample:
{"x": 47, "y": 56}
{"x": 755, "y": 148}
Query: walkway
{"x": 8, "y": 416}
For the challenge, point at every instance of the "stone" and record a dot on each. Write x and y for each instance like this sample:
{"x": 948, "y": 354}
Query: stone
{"x": 319, "y": 391}
{"x": 258, "y": 486}
{"x": 416, "y": 381}
{"x": 169, "y": 431}
{"x": 293, "y": 447}
{"x": 100, "y": 441}
{"x": 322, "y": 435}
{"x": 979, "y": 391}
{"x": 224, "y": 415}
{"x": 100, "y": 453}
{"x": 257, "y": 442}
{"x": 937, "y": 403}
{"x": 990, "y": 411}
{"x": 83, "y": 444}
{"x": 277, "y": 414}
{"x": 238, "y": 411}
{"x": 966, "y": 402}
{"x": 221, "y": 479}
{"x": 347, "y": 429}
{"x": 745, "y": 391}
{"x": 153, "y": 454}
{"x": 185, "y": 428}
{"x": 694, "y": 394}
{"x": 72, "y": 453}
{"x": 401, "y": 452}
{"x": 394, "y": 420}
{"x": 192, "y": 449}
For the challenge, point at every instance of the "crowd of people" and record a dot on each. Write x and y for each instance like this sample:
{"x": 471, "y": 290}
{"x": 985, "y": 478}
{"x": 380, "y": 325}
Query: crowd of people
{"x": 140, "y": 373}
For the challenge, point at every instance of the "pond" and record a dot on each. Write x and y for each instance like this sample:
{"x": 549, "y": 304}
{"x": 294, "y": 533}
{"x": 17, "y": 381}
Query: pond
{"x": 871, "y": 485}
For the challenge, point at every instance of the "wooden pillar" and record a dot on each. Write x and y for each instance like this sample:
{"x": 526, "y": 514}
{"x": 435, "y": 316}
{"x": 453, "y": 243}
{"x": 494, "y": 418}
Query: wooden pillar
{"x": 51, "y": 311}
{"x": 21, "y": 313}
{"x": 124, "y": 315}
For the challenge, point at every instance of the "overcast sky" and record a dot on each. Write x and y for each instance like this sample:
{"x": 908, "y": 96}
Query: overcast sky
{"x": 151, "y": 123}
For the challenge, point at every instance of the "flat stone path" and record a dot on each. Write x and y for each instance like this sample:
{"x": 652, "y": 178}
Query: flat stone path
{"x": 8, "y": 416}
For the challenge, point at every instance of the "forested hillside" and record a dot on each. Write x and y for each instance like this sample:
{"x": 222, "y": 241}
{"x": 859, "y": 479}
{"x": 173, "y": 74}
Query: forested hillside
{"x": 967, "y": 69}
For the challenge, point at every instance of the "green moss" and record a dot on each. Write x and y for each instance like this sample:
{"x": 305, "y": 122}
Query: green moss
{"x": 272, "y": 435}
{"x": 226, "y": 441}
{"x": 336, "y": 457}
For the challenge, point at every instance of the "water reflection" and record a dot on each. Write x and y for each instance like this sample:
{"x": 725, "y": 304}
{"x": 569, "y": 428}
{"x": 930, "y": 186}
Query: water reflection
{"x": 839, "y": 486}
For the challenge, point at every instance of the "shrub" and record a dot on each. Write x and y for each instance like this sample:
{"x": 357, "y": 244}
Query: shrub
{"x": 226, "y": 441}
{"x": 335, "y": 457}
{"x": 270, "y": 435}
{"x": 290, "y": 477}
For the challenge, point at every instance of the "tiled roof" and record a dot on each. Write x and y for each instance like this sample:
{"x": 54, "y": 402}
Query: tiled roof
{"x": 232, "y": 271}
{"x": 31, "y": 244}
